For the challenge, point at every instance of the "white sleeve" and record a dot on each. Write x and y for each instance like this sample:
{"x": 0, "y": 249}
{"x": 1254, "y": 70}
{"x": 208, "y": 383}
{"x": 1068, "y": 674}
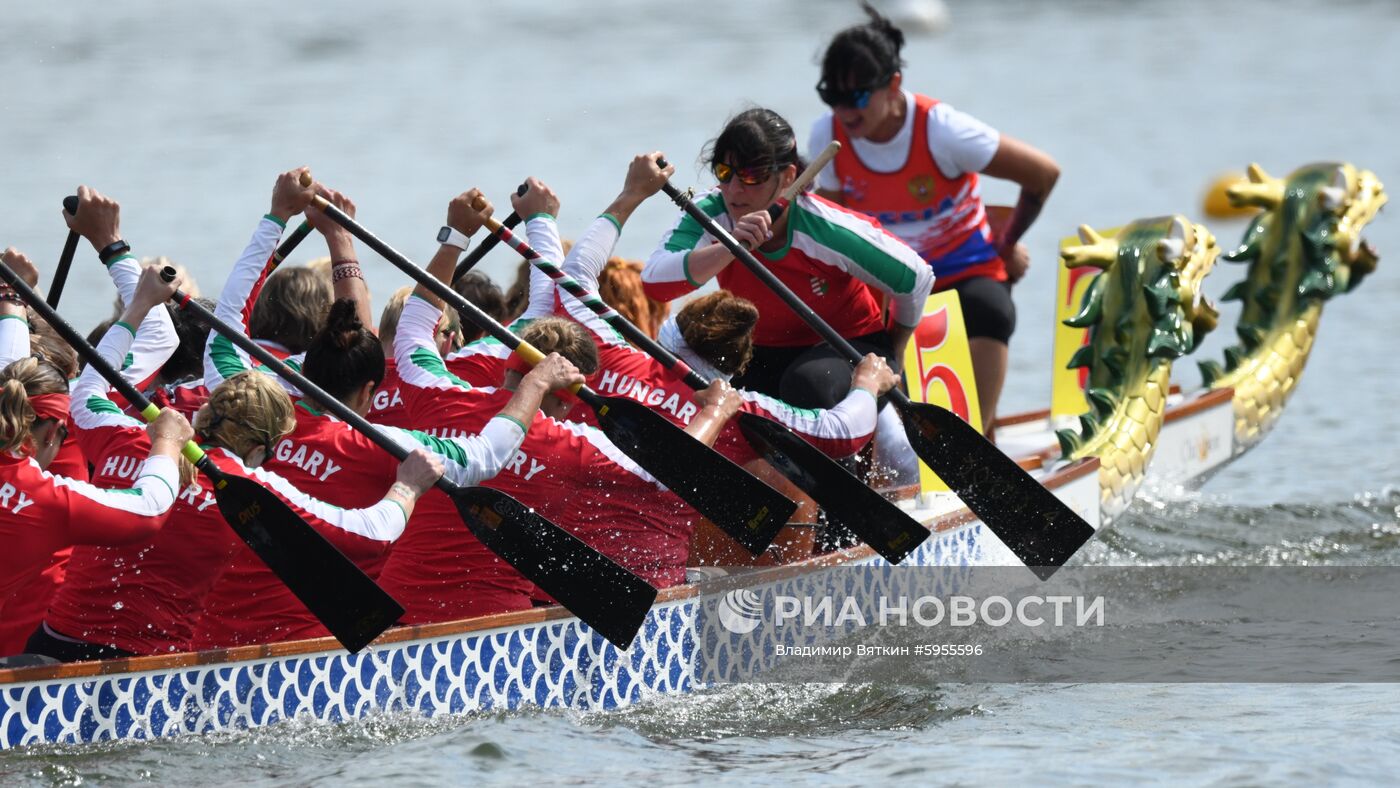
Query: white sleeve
{"x": 14, "y": 339}
{"x": 816, "y": 143}
{"x": 113, "y": 347}
{"x": 151, "y": 495}
{"x": 222, "y": 358}
{"x": 415, "y": 353}
{"x": 156, "y": 339}
{"x": 584, "y": 265}
{"x": 382, "y": 522}
{"x": 543, "y": 235}
{"x": 959, "y": 142}
{"x": 473, "y": 459}
{"x": 853, "y": 416}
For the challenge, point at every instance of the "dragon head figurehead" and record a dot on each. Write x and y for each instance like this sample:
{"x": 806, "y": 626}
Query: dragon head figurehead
{"x": 1303, "y": 249}
{"x": 1143, "y": 311}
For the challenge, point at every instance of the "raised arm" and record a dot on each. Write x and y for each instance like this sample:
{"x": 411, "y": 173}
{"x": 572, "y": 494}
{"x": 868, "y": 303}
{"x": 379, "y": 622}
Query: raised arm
{"x": 14, "y": 322}
{"x": 347, "y": 280}
{"x": 540, "y": 207}
{"x": 223, "y": 359}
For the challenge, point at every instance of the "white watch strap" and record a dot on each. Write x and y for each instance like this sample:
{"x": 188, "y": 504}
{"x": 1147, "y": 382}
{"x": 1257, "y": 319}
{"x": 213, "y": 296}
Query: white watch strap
{"x": 454, "y": 238}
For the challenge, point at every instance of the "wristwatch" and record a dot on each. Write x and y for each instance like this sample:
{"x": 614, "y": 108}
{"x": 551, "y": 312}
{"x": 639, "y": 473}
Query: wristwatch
{"x": 449, "y": 236}
{"x": 113, "y": 250}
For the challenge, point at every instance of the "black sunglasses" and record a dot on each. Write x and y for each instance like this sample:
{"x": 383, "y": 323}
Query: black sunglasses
{"x": 856, "y": 98}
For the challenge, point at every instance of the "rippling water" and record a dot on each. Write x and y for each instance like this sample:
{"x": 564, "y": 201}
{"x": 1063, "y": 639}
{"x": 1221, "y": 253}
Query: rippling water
{"x": 186, "y": 114}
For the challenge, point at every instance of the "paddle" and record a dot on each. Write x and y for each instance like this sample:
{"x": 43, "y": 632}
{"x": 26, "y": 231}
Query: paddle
{"x": 1035, "y": 525}
{"x": 732, "y": 498}
{"x": 288, "y": 244}
{"x": 470, "y": 261}
{"x": 846, "y": 500}
{"x": 602, "y": 594}
{"x": 352, "y": 607}
{"x": 65, "y": 260}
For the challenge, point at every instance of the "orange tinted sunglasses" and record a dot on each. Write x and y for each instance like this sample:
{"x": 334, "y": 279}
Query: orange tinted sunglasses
{"x": 749, "y": 176}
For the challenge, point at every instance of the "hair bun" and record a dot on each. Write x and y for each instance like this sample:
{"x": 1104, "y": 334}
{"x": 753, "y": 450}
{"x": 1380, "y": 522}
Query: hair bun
{"x": 343, "y": 324}
{"x": 884, "y": 26}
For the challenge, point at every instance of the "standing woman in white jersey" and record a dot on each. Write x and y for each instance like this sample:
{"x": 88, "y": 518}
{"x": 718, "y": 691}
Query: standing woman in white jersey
{"x": 912, "y": 162}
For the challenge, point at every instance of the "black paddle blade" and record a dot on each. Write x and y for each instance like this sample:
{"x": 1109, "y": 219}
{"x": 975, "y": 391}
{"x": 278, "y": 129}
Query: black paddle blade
{"x": 731, "y": 497}
{"x": 606, "y": 597}
{"x": 845, "y": 499}
{"x": 351, "y": 605}
{"x": 1038, "y": 527}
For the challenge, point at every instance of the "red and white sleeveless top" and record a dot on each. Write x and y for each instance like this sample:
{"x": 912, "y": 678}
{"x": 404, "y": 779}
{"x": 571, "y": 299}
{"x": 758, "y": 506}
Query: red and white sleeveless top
{"x": 942, "y": 218}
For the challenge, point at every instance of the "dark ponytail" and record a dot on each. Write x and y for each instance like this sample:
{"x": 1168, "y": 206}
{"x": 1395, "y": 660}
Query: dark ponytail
{"x": 345, "y": 355}
{"x": 864, "y": 55}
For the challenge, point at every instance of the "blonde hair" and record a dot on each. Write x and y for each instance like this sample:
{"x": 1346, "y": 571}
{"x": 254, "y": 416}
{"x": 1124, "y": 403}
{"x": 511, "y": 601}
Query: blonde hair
{"x": 246, "y": 411}
{"x": 292, "y": 307}
{"x": 620, "y": 286}
{"x": 389, "y": 320}
{"x": 48, "y": 346}
{"x": 565, "y": 337}
{"x": 22, "y": 379}
{"x": 321, "y": 265}
{"x": 16, "y": 416}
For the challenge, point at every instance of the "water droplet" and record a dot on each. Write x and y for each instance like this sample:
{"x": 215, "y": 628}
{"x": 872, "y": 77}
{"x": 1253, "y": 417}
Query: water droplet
{"x": 117, "y": 605}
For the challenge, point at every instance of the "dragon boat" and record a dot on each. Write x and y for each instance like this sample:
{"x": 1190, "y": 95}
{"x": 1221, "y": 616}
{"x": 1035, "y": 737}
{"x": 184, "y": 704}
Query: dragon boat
{"x": 1133, "y": 305}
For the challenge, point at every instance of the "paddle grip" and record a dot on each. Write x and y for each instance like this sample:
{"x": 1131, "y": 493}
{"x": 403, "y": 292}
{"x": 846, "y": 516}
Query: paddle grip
{"x": 65, "y": 259}
{"x": 595, "y": 303}
{"x": 440, "y": 289}
{"x": 474, "y": 257}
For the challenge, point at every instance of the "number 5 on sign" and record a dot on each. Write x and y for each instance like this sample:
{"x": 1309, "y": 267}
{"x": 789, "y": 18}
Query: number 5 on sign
{"x": 939, "y": 369}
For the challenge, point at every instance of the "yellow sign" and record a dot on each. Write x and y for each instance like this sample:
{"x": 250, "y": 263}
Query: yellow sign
{"x": 1067, "y": 385}
{"x": 939, "y": 368}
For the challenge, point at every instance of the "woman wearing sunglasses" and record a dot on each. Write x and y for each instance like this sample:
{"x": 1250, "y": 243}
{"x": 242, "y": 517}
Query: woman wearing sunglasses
{"x": 912, "y": 162}
{"x": 838, "y": 261}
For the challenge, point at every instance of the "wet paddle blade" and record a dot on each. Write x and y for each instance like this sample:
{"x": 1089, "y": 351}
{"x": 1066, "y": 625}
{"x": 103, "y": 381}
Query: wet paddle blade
{"x": 606, "y": 597}
{"x": 731, "y": 497}
{"x": 351, "y": 605}
{"x": 1035, "y": 525}
{"x": 845, "y": 499}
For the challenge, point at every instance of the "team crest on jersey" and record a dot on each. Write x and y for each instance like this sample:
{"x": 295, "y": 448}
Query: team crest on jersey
{"x": 852, "y": 189}
{"x": 921, "y": 187}
{"x": 820, "y": 286}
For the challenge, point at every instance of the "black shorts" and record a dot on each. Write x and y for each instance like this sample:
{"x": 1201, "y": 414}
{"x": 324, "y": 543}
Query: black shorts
{"x": 808, "y": 377}
{"x": 988, "y": 311}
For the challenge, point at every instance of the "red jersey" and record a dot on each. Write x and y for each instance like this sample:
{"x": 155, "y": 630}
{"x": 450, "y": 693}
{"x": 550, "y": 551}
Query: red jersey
{"x": 569, "y": 472}
{"x": 329, "y": 458}
{"x": 145, "y": 598}
{"x": 831, "y": 258}
{"x": 387, "y": 406}
{"x": 41, "y": 513}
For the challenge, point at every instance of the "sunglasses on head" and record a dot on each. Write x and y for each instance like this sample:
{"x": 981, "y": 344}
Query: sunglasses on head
{"x": 855, "y": 98}
{"x": 749, "y": 176}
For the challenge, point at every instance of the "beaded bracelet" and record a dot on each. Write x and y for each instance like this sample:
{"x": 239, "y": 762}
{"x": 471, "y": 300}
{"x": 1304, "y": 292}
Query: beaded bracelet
{"x": 346, "y": 271}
